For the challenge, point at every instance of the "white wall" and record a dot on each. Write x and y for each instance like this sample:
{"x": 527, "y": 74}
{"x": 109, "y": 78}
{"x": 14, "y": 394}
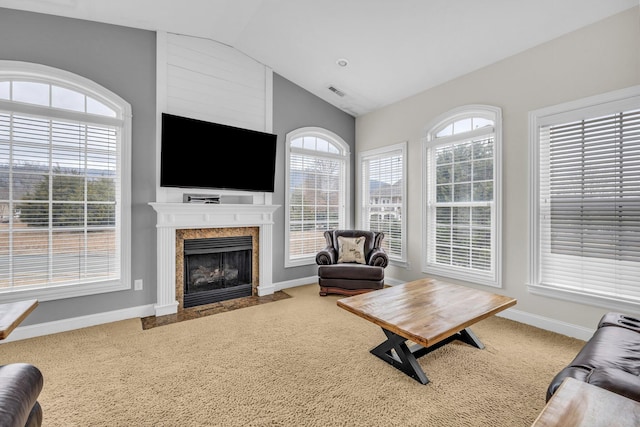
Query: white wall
{"x": 207, "y": 80}
{"x": 596, "y": 59}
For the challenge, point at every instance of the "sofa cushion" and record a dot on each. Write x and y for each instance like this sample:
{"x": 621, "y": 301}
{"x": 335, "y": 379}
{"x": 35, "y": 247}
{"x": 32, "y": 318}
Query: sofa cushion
{"x": 610, "y": 359}
{"x": 611, "y": 347}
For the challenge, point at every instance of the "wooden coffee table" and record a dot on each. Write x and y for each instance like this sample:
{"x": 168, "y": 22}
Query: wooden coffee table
{"x": 428, "y": 312}
{"x": 13, "y": 313}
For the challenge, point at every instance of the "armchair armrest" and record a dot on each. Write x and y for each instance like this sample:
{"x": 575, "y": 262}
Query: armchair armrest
{"x": 378, "y": 257}
{"x": 326, "y": 256}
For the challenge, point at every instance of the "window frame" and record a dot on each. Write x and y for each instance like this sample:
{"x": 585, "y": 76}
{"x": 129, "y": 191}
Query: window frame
{"x": 363, "y": 158}
{"x": 343, "y": 156}
{"x": 32, "y": 72}
{"x": 581, "y": 109}
{"x": 493, "y": 277}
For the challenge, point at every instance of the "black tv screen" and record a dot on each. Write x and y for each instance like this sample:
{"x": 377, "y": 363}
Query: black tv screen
{"x": 201, "y": 154}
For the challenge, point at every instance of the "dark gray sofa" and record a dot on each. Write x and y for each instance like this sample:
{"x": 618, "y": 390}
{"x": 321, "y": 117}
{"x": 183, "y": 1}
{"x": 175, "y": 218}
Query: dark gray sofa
{"x": 20, "y": 386}
{"x": 610, "y": 359}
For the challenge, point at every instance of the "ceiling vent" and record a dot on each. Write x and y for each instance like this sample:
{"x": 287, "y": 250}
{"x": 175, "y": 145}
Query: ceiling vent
{"x": 337, "y": 91}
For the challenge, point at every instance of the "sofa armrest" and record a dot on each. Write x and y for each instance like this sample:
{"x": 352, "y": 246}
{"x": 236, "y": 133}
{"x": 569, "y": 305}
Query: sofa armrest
{"x": 580, "y": 373}
{"x": 617, "y": 381}
{"x": 20, "y": 385}
{"x": 326, "y": 256}
{"x": 378, "y": 257}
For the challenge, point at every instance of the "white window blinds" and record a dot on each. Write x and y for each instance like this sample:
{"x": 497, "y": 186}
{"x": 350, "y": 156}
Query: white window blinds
{"x": 463, "y": 195}
{"x": 589, "y": 205}
{"x": 463, "y": 204}
{"x": 64, "y": 185}
{"x": 316, "y": 185}
{"x": 383, "y": 196}
{"x": 314, "y": 202}
{"x": 59, "y": 201}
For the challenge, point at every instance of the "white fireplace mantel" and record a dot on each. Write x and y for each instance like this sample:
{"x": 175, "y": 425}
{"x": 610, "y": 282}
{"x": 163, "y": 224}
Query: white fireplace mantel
{"x": 173, "y": 216}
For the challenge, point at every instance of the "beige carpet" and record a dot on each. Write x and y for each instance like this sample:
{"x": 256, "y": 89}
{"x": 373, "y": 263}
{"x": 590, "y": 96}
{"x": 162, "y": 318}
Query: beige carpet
{"x": 301, "y": 361}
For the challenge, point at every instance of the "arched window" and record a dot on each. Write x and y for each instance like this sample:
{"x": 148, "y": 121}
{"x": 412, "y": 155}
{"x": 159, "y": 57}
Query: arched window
{"x": 316, "y": 178}
{"x": 462, "y": 184}
{"x": 64, "y": 179}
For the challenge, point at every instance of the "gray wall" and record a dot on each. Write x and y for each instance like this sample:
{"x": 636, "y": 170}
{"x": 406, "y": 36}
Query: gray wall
{"x": 293, "y": 108}
{"x": 124, "y": 61}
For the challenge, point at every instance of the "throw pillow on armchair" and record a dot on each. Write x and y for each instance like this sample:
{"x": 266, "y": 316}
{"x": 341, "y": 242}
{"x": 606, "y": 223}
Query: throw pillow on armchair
{"x": 351, "y": 249}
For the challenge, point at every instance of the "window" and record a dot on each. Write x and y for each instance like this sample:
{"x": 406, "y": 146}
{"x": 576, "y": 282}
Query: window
{"x": 316, "y": 176}
{"x": 64, "y": 171}
{"x": 585, "y": 200}
{"x": 383, "y": 201}
{"x": 462, "y": 182}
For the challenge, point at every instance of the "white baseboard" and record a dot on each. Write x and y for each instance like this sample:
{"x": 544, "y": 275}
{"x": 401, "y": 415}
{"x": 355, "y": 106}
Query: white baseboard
{"x": 393, "y": 282}
{"x": 548, "y": 324}
{"x": 266, "y": 290}
{"x": 541, "y": 322}
{"x": 32, "y": 331}
{"x": 297, "y": 282}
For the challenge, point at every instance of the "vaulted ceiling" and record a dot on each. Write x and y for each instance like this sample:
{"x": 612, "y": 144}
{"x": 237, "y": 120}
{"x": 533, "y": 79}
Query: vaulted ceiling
{"x": 392, "y": 48}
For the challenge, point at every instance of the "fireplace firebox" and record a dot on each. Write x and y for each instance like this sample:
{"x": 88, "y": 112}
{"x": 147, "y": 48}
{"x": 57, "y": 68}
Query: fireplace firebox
{"x": 217, "y": 269}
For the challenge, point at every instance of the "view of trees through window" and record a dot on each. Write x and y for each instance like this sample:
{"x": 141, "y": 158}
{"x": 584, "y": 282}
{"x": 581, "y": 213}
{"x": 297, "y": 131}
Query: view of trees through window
{"x": 58, "y": 217}
{"x": 463, "y": 195}
{"x": 315, "y": 203}
{"x": 464, "y": 175}
{"x": 58, "y": 183}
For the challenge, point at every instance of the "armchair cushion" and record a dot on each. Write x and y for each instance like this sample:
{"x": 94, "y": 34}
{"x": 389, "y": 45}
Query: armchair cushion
{"x": 351, "y": 249}
{"x": 351, "y": 271}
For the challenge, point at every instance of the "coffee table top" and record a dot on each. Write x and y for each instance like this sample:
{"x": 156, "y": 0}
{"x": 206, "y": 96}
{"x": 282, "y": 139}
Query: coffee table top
{"x": 13, "y": 313}
{"x": 426, "y": 311}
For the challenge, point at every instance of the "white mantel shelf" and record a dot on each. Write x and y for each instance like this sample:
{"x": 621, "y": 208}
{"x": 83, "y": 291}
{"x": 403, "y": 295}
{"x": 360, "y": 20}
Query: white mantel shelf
{"x": 214, "y": 215}
{"x": 172, "y": 216}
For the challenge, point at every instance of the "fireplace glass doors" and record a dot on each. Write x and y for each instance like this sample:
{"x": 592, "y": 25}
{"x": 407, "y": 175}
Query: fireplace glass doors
{"x": 217, "y": 269}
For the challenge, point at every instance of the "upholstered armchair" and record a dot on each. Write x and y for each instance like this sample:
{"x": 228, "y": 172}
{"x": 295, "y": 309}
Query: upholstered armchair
{"x": 353, "y": 262}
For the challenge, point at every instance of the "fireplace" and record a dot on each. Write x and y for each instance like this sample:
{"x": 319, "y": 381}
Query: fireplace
{"x": 178, "y": 221}
{"x": 217, "y": 269}
{"x": 215, "y": 264}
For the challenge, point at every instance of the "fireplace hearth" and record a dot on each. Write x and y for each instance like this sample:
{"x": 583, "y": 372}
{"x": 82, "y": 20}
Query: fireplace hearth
{"x": 217, "y": 269}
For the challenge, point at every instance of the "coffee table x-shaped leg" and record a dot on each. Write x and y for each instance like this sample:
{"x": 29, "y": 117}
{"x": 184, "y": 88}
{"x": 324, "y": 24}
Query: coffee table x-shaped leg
{"x": 398, "y": 354}
{"x": 427, "y": 312}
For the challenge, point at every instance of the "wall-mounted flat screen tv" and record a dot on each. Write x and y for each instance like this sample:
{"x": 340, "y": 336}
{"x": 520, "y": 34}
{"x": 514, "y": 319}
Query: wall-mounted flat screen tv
{"x": 202, "y": 154}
